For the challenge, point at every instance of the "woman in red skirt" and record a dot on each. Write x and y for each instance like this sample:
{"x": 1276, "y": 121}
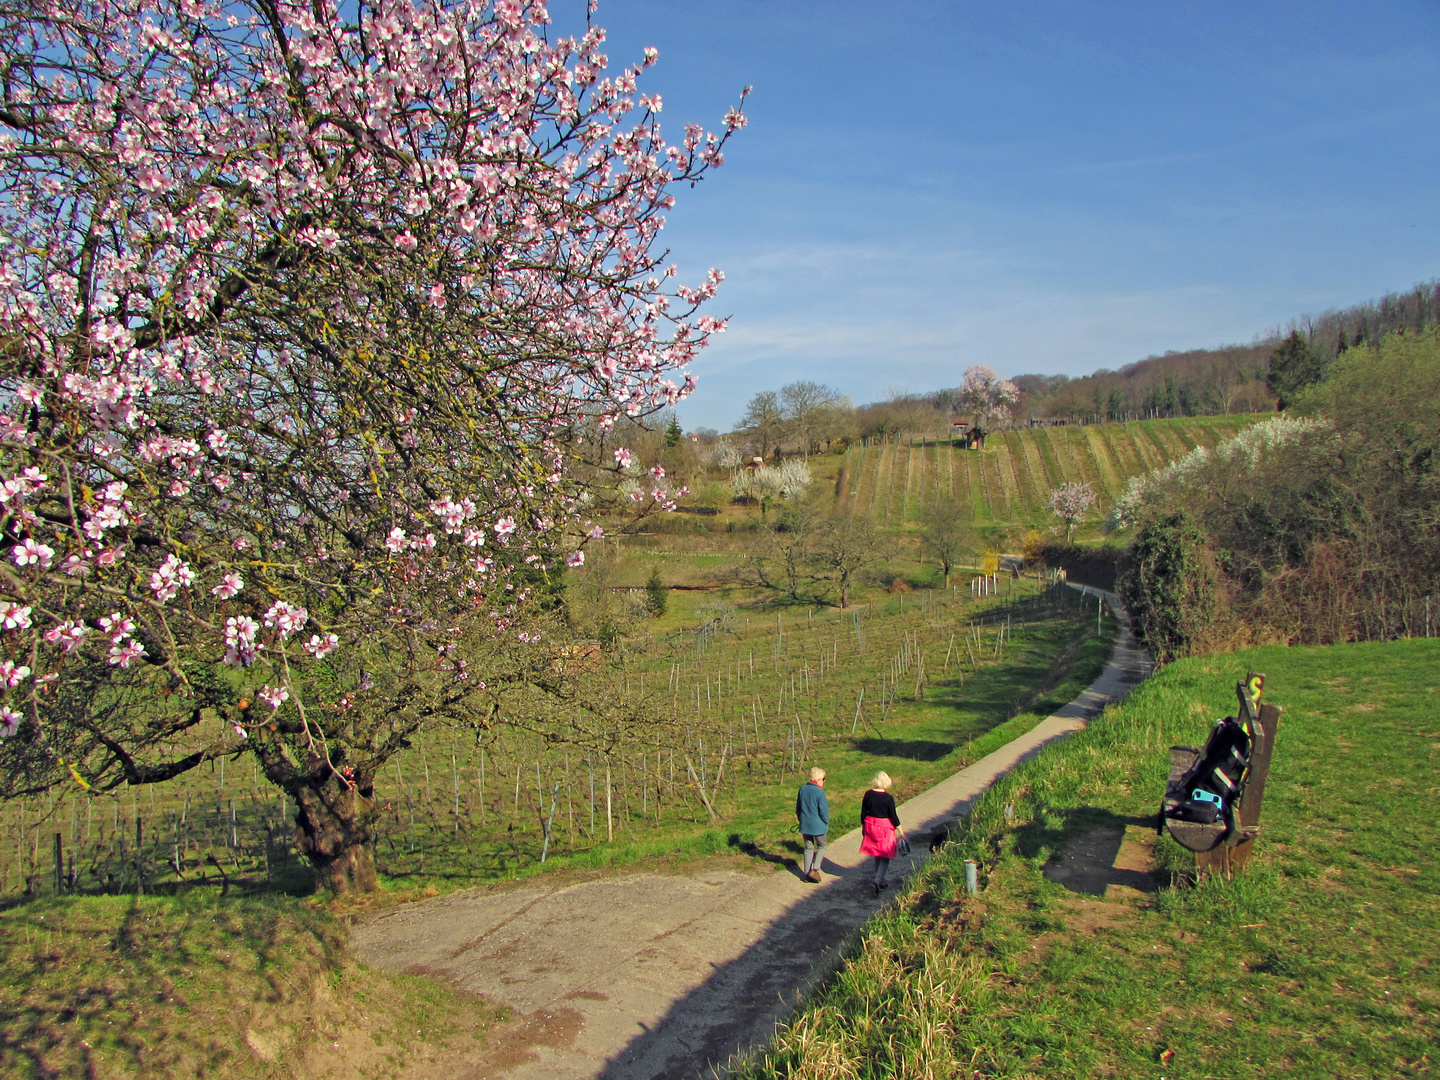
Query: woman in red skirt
{"x": 880, "y": 825}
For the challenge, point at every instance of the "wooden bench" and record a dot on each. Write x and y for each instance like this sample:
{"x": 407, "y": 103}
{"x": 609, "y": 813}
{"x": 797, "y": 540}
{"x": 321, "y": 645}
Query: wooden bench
{"x": 1220, "y": 849}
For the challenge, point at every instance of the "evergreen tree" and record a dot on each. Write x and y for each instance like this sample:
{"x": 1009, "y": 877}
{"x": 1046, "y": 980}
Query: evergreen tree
{"x": 673, "y": 434}
{"x": 657, "y": 596}
{"x": 1293, "y": 366}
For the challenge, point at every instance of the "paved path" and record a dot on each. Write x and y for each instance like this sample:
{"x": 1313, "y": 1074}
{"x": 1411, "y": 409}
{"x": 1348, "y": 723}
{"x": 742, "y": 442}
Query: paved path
{"x": 649, "y": 975}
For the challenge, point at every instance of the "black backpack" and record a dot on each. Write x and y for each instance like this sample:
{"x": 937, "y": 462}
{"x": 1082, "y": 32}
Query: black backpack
{"x": 1212, "y": 783}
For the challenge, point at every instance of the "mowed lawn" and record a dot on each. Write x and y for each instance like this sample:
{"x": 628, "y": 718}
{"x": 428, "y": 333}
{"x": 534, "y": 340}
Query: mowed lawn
{"x": 1320, "y": 962}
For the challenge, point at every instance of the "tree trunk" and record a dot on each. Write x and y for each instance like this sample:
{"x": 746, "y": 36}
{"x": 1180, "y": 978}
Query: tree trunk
{"x": 333, "y": 830}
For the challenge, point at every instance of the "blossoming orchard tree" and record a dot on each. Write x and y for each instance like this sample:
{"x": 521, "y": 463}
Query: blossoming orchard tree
{"x": 309, "y": 318}
{"x": 1070, "y": 503}
{"x": 986, "y": 396}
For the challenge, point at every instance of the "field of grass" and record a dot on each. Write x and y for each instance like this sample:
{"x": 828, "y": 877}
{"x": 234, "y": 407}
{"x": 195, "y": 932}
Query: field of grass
{"x": 235, "y": 978}
{"x": 200, "y": 985}
{"x": 767, "y": 695}
{"x": 1008, "y": 483}
{"x": 1323, "y": 961}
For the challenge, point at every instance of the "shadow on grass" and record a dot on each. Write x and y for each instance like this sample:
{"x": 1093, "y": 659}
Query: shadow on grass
{"x": 913, "y": 749}
{"x": 114, "y": 973}
{"x": 1084, "y": 846}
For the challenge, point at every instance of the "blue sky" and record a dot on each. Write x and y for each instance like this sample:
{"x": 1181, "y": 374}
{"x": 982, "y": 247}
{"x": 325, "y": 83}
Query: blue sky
{"x": 1041, "y": 187}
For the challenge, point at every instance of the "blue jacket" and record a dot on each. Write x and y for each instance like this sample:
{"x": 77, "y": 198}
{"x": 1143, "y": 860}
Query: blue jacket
{"x": 813, "y": 810}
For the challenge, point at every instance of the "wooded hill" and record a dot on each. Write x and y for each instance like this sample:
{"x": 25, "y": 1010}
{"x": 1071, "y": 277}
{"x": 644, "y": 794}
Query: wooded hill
{"x": 1194, "y": 382}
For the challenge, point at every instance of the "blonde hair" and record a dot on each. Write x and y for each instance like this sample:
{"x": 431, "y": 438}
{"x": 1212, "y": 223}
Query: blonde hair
{"x": 817, "y": 773}
{"x": 882, "y": 780}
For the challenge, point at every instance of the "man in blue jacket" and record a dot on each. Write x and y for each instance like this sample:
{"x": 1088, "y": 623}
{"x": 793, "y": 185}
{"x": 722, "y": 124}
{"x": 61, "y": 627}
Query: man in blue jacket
{"x": 813, "y": 810}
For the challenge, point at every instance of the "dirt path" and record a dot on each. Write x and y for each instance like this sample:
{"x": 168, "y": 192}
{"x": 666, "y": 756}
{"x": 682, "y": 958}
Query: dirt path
{"x": 652, "y": 975}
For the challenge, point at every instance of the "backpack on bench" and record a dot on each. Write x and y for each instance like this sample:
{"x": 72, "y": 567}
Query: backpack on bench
{"x": 1208, "y": 789}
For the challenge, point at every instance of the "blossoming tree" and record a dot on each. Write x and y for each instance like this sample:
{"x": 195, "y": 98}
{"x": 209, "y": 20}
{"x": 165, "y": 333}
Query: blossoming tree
{"x": 1070, "y": 503}
{"x": 309, "y": 318}
{"x": 986, "y": 396}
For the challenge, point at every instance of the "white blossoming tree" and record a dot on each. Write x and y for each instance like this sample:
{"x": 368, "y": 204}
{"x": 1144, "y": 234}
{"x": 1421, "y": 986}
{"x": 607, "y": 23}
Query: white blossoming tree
{"x": 1070, "y": 503}
{"x": 308, "y": 317}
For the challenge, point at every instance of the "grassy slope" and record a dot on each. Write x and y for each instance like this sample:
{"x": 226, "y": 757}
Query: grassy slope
{"x": 252, "y": 986}
{"x": 1321, "y": 962}
{"x": 201, "y": 985}
{"x": 1008, "y": 484}
{"x": 918, "y": 743}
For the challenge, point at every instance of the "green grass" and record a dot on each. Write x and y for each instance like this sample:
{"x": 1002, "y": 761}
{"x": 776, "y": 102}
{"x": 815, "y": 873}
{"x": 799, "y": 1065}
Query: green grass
{"x": 439, "y": 827}
{"x": 1008, "y": 484}
{"x": 1048, "y": 661}
{"x": 1320, "y": 962}
{"x": 202, "y": 985}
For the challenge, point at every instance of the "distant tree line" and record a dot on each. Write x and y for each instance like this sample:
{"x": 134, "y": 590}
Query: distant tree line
{"x": 1258, "y": 377}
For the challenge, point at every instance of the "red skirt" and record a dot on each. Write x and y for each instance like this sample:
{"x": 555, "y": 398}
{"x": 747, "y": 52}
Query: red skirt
{"x": 879, "y": 837}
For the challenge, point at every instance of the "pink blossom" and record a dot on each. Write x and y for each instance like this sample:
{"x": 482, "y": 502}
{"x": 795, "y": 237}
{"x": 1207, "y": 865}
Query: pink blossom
{"x": 406, "y": 243}
{"x": 658, "y": 473}
{"x": 503, "y": 528}
{"x": 110, "y": 556}
{"x": 13, "y": 675}
{"x": 240, "y": 731}
{"x": 622, "y": 457}
{"x": 170, "y": 577}
{"x": 30, "y": 551}
{"x": 286, "y": 618}
{"x": 9, "y": 722}
{"x": 576, "y": 558}
{"x": 75, "y": 566}
{"x": 396, "y": 541}
{"x": 240, "y": 631}
{"x": 67, "y": 635}
{"x": 13, "y": 616}
{"x": 126, "y": 654}
{"x": 320, "y": 647}
{"x": 229, "y": 585}
{"x": 274, "y": 696}
{"x": 117, "y": 626}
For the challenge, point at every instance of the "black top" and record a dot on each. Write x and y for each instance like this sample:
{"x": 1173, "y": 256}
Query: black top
{"x": 879, "y": 804}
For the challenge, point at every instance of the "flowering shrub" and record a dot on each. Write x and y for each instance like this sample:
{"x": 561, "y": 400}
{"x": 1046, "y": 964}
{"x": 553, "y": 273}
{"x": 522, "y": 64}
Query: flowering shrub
{"x": 306, "y": 315}
{"x": 1232, "y": 460}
